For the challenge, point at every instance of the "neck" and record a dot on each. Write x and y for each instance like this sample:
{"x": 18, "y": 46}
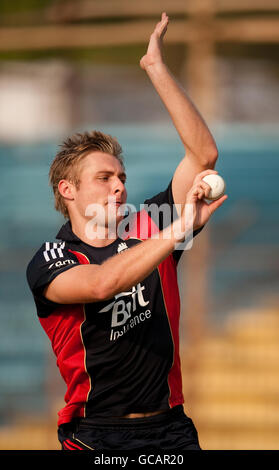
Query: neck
{"x": 85, "y": 232}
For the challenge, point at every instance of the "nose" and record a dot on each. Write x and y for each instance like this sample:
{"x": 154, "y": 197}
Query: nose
{"x": 119, "y": 186}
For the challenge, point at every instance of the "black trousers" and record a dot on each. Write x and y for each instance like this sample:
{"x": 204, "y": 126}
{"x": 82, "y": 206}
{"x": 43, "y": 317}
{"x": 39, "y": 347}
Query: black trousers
{"x": 170, "y": 430}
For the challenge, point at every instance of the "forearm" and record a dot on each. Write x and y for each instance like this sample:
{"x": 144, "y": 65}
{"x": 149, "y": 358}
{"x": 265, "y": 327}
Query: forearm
{"x": 187, "y": 120}
{"x": 96, "y": 283}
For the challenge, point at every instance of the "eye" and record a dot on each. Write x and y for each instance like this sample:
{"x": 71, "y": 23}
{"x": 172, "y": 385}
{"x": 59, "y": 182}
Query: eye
{"x": 103, "y": 178}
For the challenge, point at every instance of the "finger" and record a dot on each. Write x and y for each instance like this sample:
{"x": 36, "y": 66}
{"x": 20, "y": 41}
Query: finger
{"x": 158, "y": 31}
{"x": 202, "y": 193}
{"x": 201, "y": 175}
{"x": 159, "y": 25}
{"x": 193, "y": 194}
{"x": 202, "y": 186}
{"x": 162, "y": 27}
{"x": 163, "y": 20}
{"x": 198, "y": 191}
{"x": 206, "y": 187}
{"x": 213, "y": 206}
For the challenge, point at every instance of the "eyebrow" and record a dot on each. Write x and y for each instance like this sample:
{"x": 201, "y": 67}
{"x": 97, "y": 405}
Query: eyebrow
{"x": 108, "y": 172}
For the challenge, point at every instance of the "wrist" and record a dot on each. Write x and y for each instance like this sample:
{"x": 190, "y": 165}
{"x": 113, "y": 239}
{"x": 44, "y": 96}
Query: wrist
{"x": 178, "y": 231}
{"x": 157, "y": 65}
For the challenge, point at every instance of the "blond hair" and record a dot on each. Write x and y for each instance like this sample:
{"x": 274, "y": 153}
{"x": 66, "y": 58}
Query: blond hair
{"x": 73, "y": 150}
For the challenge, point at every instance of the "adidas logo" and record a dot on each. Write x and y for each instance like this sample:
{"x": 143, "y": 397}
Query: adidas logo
{"x": 122, "y": 247}
{"x": 53, "y": 250}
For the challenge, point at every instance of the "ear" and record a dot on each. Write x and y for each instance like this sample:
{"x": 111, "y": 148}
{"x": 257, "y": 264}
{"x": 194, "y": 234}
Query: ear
{"x": 66, "y": 189}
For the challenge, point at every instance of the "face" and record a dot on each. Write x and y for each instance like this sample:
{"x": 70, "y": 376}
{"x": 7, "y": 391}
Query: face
{"x": 102, "y": 182}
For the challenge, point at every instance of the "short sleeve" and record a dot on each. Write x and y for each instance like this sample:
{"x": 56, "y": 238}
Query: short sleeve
{"x": 163, "y": 217}
{"x": 167, "y": 215}
{"x": 50, "y": 260}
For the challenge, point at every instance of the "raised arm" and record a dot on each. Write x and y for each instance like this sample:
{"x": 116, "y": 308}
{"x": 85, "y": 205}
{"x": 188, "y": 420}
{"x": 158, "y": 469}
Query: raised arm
{"x": 201, "y": 151}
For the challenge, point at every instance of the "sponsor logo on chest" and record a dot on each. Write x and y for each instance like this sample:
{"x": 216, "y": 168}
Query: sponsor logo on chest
{"x": 123, "y": 316}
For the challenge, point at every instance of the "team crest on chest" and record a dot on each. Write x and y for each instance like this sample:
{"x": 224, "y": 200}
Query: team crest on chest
{"x": 122, "y": 247}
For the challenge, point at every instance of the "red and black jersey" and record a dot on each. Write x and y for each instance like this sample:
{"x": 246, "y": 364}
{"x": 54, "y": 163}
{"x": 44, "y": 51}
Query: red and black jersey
{"x": 121, "y": 355}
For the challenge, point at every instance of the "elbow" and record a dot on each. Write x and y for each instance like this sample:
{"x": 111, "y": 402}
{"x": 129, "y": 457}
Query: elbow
{"x": 104, "y": 290}
{"x": 211, "y": 157}
{"x": 101, "y": 293}
{"x": 207, "y": 156}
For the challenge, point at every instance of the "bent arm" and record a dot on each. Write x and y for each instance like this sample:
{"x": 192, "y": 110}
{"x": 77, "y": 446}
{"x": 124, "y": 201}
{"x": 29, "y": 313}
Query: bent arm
{"x": 94, "y": 283}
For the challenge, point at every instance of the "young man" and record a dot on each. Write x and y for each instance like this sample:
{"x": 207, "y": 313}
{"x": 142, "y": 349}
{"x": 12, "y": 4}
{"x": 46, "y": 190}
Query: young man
{"x": 110, "y": 305}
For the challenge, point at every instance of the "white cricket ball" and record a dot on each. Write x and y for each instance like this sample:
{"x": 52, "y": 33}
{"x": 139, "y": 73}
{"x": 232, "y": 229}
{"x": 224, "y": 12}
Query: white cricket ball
{"x": 217, "y": 184}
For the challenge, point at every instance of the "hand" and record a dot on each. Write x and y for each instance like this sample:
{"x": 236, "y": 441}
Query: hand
{"x": 202, "y": 211}
{"x": 154, "y": 51}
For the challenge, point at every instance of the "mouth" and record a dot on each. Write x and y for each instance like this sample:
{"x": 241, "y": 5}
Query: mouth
{"x": 115, "y": 202}
{"x": 116, "y": 207}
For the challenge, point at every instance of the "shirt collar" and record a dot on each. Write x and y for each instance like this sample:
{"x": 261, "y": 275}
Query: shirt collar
{"x": 66, "y": 233}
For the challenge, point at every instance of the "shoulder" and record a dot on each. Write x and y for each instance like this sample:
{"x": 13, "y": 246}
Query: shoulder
{"x": 165, "y": 196}
{"x": 49, "y": 258}
{"x": 49, "y": 252}
{"x": 37, "y": 258}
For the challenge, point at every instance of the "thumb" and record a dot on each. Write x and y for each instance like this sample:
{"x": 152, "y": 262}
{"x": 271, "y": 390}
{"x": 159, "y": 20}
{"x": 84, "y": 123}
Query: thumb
{"x": 213, "y": 206}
